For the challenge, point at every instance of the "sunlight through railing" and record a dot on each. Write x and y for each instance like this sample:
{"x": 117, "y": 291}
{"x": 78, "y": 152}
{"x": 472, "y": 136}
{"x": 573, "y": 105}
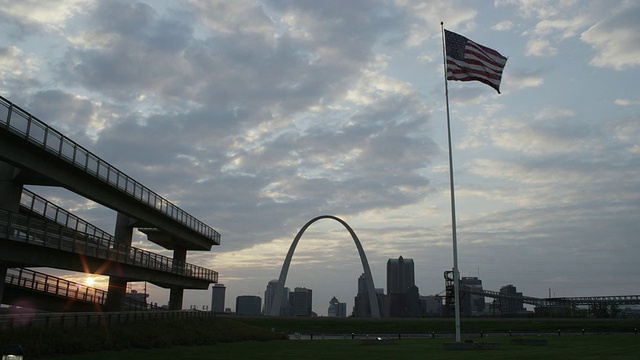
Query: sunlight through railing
{"x": 35, "y": 231}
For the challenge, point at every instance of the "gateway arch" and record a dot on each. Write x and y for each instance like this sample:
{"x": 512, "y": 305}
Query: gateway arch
{"x": 371, "y": 291}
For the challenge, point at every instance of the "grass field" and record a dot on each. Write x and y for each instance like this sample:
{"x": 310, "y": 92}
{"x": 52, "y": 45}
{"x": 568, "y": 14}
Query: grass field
{"x": 237, "y": 337}
{"x": 583, "y": 347}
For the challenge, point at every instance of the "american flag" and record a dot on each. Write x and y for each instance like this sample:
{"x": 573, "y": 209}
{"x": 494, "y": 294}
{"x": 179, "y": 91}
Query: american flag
{"x": 468, "y": 61}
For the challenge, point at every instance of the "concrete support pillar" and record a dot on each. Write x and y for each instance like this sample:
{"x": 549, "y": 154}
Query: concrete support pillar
{"x": 176, "y": 294}
{"x": 10, "y": 191}
{"x": 117, "y": 291}
{"x": 3, "y": 276}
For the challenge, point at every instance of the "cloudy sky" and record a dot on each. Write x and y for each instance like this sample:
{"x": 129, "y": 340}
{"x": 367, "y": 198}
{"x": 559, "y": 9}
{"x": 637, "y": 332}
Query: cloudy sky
{"x": 257, "y": 116}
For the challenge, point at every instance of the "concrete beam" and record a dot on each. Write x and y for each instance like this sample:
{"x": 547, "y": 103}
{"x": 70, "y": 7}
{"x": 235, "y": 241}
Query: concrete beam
{"x": 17, "y": 254}
{"x": 22, "y": 154}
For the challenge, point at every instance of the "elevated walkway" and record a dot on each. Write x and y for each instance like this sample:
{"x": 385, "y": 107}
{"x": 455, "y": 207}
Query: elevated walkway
{"x": 35, "y": 207}
{"x": 36, "y": 233}
{"x": 29, "y": 288}
{"x": 47, "y": 157}
{"x": 33, "y": 241}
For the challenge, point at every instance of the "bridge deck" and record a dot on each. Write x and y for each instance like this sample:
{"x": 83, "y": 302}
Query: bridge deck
{"x": 56, "y": 294}
{"x": 47, "y": 157}
{"x": 31, "y": 241}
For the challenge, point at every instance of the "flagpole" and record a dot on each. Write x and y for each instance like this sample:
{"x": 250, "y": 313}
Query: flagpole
{"x": 456, "y": 274}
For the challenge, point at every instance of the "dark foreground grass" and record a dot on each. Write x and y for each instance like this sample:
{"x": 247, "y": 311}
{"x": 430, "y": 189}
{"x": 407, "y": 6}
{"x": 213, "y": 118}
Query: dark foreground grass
{"x": 262, "y": 337}
{"x": 583, "y": 347}
{"x": 162, "y": 333}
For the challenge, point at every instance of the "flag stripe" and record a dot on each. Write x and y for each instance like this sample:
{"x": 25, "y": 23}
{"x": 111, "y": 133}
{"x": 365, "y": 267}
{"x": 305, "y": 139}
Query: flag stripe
{"x": 454, "y": 67}
{"x": 468, "y": 61}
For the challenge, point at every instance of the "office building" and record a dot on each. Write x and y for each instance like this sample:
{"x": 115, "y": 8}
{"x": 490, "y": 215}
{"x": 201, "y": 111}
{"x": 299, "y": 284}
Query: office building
{"x": 404, "y": 298}
{"x": 361, "y": 304}
{"x": 336, "y": 308}
{"x": 217, "y": 298}
{"x": 301, "y": 300}
{"x": 248, "y": 305}
{"x": 269, "y": 294}
{"x": 400, "y": 275}
{"x": 511, "y": 304}
{"x": 431, "y": 305}
{"x": 471, "y": 304}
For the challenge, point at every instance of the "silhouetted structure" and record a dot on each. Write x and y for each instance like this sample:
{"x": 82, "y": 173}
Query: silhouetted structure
{"x": 404, "y": 298}
{"x": 471, "y": 304}
{"x": 336, "y": 308}
{"x": 512, "y": 304}
{"x": 248, "y": 305}
{"x": 37, "y": 233}
{"x": 218, "y": 292}
{"x": 302, "y": 300}
{"x": 270, "y": 293}
{"x": 362, "y": 305}
{"x": 276, "y": 306}
{"x": 431, "y": 305}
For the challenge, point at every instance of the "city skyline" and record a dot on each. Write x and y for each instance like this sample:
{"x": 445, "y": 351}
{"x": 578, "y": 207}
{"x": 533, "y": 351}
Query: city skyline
{"x": 257, "y": 116}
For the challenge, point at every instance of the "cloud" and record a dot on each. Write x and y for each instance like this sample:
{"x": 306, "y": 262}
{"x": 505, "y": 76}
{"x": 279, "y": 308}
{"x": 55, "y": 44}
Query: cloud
{"x": 76, "y": 116}
{"x": 30, "y": 16}
{"x": 503, "y": 25}
{"x": 540, "y": 48}
{"x": 626, "y": 102}
{"x": 519, "y": 78}
{"x": 616, "y": 39}
{"x": 14, "y": 63}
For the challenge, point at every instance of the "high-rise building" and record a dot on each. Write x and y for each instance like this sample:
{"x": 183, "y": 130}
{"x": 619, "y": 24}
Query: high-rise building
{"x": 302, "y": 301}
{"x": 431, "y": 305}
{"x": 336, "y": 308}
{"x": 404, "y": 299}
{"x": 217, "y": 298}
{"x": 471, "y": 304}
{"x": 248, "y": 305}
{"x": 511, "y": 304}
{"x": 400, "y": 275}
{"x": 362, "y": 306}
{"x": 270, "y": 293}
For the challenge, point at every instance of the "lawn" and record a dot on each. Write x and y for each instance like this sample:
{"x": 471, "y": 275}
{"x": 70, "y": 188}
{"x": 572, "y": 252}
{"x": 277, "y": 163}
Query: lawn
{"x": 583, "y": 347}
{"x": 228, "y": 337}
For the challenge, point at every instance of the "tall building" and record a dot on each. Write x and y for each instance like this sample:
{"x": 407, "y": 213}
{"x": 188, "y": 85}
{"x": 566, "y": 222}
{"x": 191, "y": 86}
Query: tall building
{"x": 302, "y": 301}
{"x": 511, "y": 304}
{"x": 404, "y": 299}
{"x": 248, "y": 305}
{"x": 336, "y": 308}
{"x": 431, "y": 305}
{"x": 471, "y": 304}
{"x": 400, "y": 275}
{"x": 270, "y": 293}
{"x": 361, "y": 304}
{"x": 217, "y": 298}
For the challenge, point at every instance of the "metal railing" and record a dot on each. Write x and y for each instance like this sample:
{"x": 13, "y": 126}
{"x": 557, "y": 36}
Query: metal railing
{"x": 41, "y": 282}
{"x": 83, "y": 320}
{"x": 39, "y": 205}
{"x": 48, "y": 234}
{"x": 31, "y": 129}
{"x": 56, "y": 286}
